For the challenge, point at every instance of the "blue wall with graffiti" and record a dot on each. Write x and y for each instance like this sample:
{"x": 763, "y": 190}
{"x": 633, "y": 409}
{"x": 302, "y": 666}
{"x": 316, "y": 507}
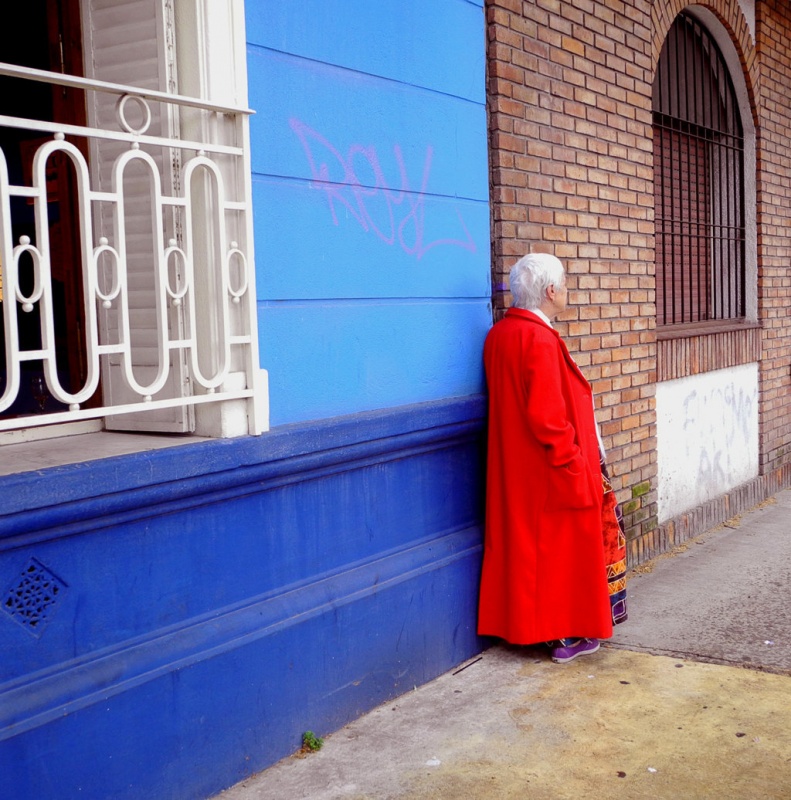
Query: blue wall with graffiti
{"x": 370, "y": 189}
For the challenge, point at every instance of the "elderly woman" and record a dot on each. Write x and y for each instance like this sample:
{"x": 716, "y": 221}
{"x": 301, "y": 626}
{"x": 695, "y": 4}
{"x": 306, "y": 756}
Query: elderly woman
{"x": 545, "y": 576}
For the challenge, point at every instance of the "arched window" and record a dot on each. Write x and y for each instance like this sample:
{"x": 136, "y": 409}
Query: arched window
{"x": 698, "y": 181}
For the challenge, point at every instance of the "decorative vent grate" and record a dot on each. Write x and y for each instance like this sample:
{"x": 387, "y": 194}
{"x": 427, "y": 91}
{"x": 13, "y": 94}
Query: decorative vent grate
{"x": 33, "y": 599}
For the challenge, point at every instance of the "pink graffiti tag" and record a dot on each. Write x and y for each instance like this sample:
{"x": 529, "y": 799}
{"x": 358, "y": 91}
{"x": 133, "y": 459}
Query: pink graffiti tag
{"x": 404, "y": 209}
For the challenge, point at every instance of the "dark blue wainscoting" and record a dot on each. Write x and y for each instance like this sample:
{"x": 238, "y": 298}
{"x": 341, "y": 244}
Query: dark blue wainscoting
{"x": 173, "y": 621}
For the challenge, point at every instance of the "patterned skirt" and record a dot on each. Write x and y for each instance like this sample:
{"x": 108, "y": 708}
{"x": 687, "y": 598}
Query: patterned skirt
{"x": 614, "y": 549}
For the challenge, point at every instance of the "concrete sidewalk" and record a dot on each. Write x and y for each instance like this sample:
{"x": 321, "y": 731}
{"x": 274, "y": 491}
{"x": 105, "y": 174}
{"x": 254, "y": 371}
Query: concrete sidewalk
{"x": 665, "y": 710}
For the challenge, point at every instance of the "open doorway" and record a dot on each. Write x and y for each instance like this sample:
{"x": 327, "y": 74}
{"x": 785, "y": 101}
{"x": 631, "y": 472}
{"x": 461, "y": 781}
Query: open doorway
{"x": 46, "y": 36}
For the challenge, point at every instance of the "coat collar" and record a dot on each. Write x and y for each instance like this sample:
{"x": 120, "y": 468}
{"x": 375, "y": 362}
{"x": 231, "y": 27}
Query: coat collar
{"x": 529, "y": 316}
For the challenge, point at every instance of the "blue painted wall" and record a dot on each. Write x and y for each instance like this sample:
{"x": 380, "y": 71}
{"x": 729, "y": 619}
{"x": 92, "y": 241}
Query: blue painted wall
{"x": 214, "y": 601}
{"x": 173, "y": 621}
{"x": 370, "y": 182}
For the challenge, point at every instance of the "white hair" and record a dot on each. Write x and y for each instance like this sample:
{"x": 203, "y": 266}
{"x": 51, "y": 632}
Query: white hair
{"x": 532, "y": 275}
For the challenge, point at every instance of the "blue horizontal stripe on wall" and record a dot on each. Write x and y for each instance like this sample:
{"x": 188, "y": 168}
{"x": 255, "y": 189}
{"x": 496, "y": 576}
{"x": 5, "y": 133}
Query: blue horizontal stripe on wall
{"x": 116, "y": 484}
{"x": 423, "y": 44}
{"x": 328, "y": 358}
{"x": 322, "y": 123}
{"x": 431, "y": 251}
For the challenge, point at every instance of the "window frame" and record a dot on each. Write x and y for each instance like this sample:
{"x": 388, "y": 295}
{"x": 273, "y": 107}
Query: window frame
{"x": 691, "y": 204}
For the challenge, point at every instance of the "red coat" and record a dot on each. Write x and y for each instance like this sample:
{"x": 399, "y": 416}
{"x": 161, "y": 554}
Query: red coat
{"x": 544, "y": 574}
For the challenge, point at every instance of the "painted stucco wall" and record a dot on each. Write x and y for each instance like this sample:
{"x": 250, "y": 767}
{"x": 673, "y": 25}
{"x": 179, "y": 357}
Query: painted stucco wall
{"x": 173, "y": 621}
{"x": 370, "y": 191}
{"x": 707, "y": 432}
{"x": 217, "y": 599}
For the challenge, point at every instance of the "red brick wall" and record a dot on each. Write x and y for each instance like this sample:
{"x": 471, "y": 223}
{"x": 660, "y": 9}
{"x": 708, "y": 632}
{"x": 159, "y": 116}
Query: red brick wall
{"x": 773, "y": 52}
{"x": 572, "y": 174}
{"x": 571, "y": 150}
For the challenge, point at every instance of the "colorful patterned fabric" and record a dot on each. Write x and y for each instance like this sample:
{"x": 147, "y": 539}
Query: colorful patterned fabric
{"x": 614, "y": 549}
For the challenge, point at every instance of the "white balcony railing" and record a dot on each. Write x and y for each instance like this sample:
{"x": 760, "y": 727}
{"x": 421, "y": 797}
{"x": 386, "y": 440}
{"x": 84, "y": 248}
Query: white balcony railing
{"x": 160, "y": 265}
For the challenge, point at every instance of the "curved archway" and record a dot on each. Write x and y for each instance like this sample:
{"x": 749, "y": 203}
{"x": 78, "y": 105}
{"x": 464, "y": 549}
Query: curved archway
{"x": 727, "y": 27}
{"x": 699, "y": 181}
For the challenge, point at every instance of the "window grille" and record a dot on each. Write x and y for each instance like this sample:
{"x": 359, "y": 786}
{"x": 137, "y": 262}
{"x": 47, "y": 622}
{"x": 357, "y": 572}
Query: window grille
{"x": 211, "y": 197}
{"x": 698, "y": 182}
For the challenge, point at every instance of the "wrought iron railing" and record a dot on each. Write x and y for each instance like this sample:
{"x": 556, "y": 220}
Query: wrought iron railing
{"x": 161, "y": 257}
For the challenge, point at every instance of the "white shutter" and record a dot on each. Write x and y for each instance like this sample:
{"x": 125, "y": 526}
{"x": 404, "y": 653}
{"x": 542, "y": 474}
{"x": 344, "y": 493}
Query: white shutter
{"x": 130, "y": 42}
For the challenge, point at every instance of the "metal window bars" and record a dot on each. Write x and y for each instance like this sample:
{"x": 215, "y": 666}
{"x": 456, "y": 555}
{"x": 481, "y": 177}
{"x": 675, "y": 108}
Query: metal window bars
{"x": 698, "y": 181}
{"x": 163, "y": 257}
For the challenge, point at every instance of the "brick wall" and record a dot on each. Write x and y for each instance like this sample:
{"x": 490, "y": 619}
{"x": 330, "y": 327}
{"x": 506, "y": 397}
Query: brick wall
{"x": 572, "y": 174}
{"x": 571, "y": 149}
{"x": 773, "y": 52}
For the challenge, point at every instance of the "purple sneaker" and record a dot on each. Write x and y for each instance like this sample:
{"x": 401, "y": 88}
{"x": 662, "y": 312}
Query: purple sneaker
{"x": 569, "y": 649}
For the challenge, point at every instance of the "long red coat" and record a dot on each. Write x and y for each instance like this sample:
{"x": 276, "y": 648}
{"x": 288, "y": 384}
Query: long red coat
{"x": 544, "y": 574}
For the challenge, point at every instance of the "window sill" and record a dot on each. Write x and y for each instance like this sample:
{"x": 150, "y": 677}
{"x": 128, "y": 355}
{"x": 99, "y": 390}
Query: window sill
{"x": 59, "y": 452}
{"x": 690, "y": 329}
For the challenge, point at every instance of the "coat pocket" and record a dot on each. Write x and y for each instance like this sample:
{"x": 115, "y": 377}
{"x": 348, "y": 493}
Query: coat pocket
{"x": 569, "y": 488}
